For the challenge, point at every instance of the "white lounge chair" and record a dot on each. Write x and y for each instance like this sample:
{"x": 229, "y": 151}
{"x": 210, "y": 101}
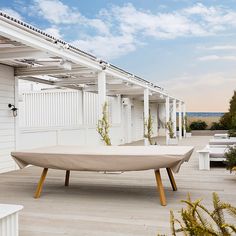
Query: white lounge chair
{"x": 211, "y": 153}
{"x": 220, "y": 136}
{"x": 226, "y": 141}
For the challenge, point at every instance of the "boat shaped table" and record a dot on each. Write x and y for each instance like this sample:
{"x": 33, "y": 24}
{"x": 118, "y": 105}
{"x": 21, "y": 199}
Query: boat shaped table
{"x": 106, "y": 158}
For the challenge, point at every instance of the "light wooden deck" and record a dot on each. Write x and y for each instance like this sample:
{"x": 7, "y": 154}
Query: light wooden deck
{"x": 109, "y": 204}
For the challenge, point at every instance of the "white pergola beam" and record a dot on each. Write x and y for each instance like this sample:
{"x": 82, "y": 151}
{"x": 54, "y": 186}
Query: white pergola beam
{"x": 14, "y": 32}
{"x": 22, "y": 55}
{"x": 38, "y": 80}
{"x": 52, "y": 70}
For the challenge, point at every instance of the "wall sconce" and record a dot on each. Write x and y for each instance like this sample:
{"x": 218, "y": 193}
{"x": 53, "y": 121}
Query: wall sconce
{"x": 13, "y": 108}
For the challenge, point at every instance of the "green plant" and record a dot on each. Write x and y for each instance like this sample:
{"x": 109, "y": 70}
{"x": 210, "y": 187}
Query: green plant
{"x": 198, "y": 125}
{"x": 197, "y": 220}
{"x": 228, "y": 120}
{"x": 230, "y": 156}
{"x": 170, "y": 128}
{"x": 232, "y": 133}
{"x": 148, "y": 129}
{"x": 217, "y": 126}
{"x": 103, "y": 125}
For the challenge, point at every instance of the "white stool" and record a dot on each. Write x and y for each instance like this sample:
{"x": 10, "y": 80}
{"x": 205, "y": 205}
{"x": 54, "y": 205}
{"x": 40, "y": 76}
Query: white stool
{"x": 204, "y": 159}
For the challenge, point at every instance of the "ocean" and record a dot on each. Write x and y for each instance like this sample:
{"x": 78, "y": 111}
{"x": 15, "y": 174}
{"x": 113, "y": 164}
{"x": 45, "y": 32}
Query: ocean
{"x": 205, "y": 114}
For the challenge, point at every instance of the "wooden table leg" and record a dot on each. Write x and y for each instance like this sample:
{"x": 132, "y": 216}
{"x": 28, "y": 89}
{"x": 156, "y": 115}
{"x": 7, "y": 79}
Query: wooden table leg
{"x": 40, "y": 184}
{"x": 172, "y": 180}
{"x": 160, "y": 188}
{"x": 67, "y": 179}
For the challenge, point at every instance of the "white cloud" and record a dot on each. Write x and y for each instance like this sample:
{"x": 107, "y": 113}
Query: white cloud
{"x": 12, "y": 13}
{"x": 217, "y": 58}
{"x": 219, "y": 47}
{"x": 54, "y": 32}
{"x": 107, "y": 47}
{"x": 118, "y": 30}
{"x": 56, "y": 12}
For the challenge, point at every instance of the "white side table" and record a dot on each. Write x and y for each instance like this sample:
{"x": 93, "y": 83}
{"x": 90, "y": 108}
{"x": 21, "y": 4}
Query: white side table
{"x": 9, "y": 219}
{"x": 204, "y": 159}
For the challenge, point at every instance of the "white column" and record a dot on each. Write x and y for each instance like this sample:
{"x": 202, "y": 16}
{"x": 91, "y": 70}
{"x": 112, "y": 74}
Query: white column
{"x": 174, "y": 116}
{"x": 180, "y": 120}
{"x": 146, "y": 111}
{"x": 184, "y": 119}
{"x": 101, "y": 92}
{"x": 167, "y": 117}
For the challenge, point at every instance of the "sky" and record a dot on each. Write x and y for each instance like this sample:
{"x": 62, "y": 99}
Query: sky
{"x": 188, "y": 47}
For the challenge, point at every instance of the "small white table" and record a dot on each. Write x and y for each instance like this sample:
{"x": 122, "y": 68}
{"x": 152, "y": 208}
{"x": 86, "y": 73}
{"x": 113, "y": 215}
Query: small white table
{"x": 9, "y": 219}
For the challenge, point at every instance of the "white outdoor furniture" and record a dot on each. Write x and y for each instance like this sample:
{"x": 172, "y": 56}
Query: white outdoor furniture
{"x": 210, "y": 153}
{"x": 9, "y": 219}
{"x": 188, "y": 134}
{"x": 216, "y": 136}
{"x": 225, "y": 141}
{"x": 106, "y": 158}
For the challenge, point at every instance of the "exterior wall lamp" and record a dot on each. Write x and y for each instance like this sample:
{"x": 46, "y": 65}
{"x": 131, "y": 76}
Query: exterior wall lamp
{"x": 13, "y": 108}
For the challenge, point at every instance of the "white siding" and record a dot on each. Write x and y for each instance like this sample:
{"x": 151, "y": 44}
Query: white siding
{"x": 7, "y": 121}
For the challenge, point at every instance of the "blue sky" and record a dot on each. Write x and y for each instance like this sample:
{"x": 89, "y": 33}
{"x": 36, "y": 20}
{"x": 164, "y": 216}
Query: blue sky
{"x": 188, "y": 47}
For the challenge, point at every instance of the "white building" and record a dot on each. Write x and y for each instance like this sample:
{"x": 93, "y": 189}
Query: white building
{"x": 69, "y": 116}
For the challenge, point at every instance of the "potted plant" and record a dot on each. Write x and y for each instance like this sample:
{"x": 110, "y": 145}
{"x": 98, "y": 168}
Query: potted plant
{"x": 172, "y": 139}
{"x": 148, "y": 129}
{"x": 103, "y": 126}
{"x": 230, "y": 156}
{"x": 187, "y": 128}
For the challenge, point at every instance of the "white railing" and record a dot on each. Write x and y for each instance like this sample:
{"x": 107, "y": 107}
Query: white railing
{"x": 9, "y": 220}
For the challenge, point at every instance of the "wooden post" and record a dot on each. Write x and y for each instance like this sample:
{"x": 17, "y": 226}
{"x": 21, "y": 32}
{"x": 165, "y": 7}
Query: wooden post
{"x": 67, "y": 179}
{"x": 40, "y": 184}
{"x": 172, "y": 180}
{"x": 160, "y": 188}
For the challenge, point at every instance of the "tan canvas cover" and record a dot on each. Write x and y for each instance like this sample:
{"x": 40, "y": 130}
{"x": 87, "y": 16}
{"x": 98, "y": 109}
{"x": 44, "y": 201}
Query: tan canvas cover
{"x": 105, "y": 158}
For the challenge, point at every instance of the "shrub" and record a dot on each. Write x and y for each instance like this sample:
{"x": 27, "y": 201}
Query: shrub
{"x": 228, "y": 120}
{"x": 217, "y": 126}
{"x": 197, "y": 220}
{"x": 198, "y": 125}
{"x": 225, "y": 120}
{"x": 232, "y": 133}
{"x": 230, "y": 156}
{"x": 170, "y": 128}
